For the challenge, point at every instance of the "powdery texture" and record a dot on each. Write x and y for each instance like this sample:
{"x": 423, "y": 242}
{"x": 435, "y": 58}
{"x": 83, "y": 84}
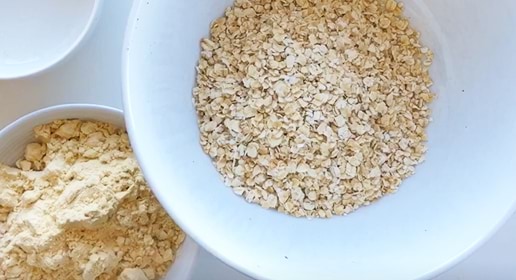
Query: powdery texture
{"x": 77, "y": 207}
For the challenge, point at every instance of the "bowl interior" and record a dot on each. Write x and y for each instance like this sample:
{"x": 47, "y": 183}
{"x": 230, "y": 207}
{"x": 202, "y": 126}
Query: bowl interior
{"x": 15, "y": 137}
{"x": 183, "y": 264}
{"x": 37, "y": 34}
{"x": 457, "y": 198}
{"x": 18, "y": 134}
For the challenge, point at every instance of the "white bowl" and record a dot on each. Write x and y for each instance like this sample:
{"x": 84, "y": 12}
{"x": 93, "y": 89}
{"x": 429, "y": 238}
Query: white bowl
{"x": 37, "y": 34}
{"x": 457, "y": 199}
{"x": 18, "y": 134}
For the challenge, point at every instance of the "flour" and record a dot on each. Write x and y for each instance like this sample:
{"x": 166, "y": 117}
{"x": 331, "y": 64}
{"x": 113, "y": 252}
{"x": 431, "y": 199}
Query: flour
{"x": 77, "y": 207}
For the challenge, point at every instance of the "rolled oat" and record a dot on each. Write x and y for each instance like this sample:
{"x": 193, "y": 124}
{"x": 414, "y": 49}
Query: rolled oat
{"x": 313, "y": 108}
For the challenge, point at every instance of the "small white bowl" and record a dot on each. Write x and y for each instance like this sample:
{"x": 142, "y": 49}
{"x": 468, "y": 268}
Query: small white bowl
{"x": 36, "y": 34}
{"x": 18, "y": 134}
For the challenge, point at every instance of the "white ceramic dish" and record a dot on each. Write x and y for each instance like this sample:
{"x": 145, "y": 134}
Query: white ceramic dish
{"x": 458, "y": 198}
{"x": 14, "y": 138}
{"x": 37, "y": 34}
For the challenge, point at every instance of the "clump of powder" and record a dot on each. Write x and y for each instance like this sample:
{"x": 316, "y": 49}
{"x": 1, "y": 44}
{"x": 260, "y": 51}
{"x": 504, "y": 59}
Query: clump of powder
{"x": 77, "y": 207}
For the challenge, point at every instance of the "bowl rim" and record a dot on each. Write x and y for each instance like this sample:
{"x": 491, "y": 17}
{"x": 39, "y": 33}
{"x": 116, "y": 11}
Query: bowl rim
{"x": 192, "y": 246}
{"x": 51, "y": 113}
{"x": 79, "y": 40}
{"x": 132, "y": 130}
{"x": 62, "y": 107}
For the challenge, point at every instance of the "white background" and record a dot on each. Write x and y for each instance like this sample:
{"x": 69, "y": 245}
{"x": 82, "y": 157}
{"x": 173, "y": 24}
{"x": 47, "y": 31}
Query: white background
{"x": 92, "y": 75}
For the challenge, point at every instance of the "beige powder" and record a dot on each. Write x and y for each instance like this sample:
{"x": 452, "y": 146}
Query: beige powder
{"x": 77, "y": 207}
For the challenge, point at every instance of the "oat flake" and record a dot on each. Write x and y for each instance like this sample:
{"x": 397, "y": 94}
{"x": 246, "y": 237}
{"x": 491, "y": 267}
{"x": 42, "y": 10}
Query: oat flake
{"x": 313, "y": 108}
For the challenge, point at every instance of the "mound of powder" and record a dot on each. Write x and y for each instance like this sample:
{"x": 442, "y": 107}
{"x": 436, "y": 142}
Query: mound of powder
{"x": 77, "y": 207}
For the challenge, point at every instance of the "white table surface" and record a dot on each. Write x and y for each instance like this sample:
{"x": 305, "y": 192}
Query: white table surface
{"x": 92, "y": 75}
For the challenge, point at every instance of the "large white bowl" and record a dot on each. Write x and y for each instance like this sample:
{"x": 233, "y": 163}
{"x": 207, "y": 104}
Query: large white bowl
{"x": 15, "y": 136}
{"x": 458, "y": 198}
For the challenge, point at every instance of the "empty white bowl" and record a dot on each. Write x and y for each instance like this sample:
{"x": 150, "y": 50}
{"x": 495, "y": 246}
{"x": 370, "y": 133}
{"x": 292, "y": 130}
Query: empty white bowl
{"x": 462, "y": 193}
{"x": 18, "y": 134}
{"x": 37, "y": 34}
